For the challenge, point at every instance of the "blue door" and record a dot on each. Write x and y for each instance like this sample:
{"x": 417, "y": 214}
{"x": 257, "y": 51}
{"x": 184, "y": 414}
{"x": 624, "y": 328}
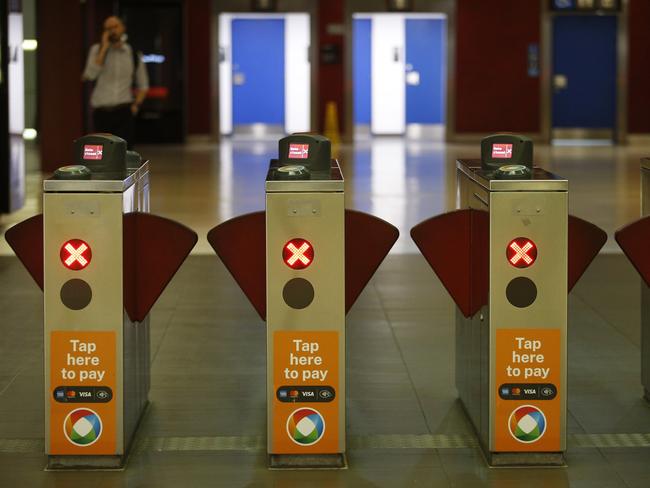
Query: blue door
{"x": 425, "y": 66}
{"x": 584, "y": 68}
{"x": 258, "y": 71}
{"x": 425, "y": 71}
{"x": 361, "y": 45}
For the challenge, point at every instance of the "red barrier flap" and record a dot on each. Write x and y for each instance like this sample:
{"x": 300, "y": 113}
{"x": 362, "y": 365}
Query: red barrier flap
{"x": 361, "y": 266}
{"x": 26, "y": 239}
{"x": 634, "y": 239}
{"x": 240, "y": 244}
{"x": 245, "y": 236}
{"x": 585, "y": 240}
{"x": 154, "y": 249}
{"x": 456, "y": 246}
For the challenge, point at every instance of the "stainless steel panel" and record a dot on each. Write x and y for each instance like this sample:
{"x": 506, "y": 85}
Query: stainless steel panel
{"x": 96, "y": 216}
{"x": 318, "y": 183}
{"x": 645, "y": 339}
{"x": 100, "y": 183}
{"x": 325, "y": 231}
{"x": 540, "y": 180}
{"x": 645, "y": 291}
{"x": 537, "y": 209}
{"x": 103, "y": 232}
{"x": 472, "y": 334}
{"x": 549, "y": 231}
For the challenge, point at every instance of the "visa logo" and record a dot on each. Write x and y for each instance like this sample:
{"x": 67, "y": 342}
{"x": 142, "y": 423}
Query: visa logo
{"x": 529, "y": 391}
{"x": 84, "y": 394}
{"x": 308, "y": 393}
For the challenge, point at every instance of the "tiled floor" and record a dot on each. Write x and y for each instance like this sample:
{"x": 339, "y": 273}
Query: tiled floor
{"x": 208, "y": 344}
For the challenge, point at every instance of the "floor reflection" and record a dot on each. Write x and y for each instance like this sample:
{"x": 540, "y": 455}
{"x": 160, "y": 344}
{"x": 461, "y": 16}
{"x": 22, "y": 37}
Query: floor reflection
{"x": 402, "y": 181}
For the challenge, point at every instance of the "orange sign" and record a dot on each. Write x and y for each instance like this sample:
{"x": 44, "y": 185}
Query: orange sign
{"x": 82, "y": 393}
{"x": 305, "y": 385}
{"x": 528, "y": 413}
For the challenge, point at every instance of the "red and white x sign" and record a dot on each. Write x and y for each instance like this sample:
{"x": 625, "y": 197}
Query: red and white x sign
{"x": 75, "y": 254}
{"x": 521, "y": 252}
{"x": 298, "y": 253}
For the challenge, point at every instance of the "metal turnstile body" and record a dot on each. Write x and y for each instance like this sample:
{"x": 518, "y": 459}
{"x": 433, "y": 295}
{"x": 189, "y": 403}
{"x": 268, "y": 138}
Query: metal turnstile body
{"x": 96, "y": 359}
{"x": 511, "y": 355}
{"x": 645, "y": 291}
{"x": 305, "y": 286}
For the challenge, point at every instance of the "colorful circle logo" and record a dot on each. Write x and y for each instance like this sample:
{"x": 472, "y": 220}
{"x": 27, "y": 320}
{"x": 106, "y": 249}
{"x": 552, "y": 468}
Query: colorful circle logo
{"x": 82, "y": 427}
{"x": 527, "y": 424}
{"x": 305, "y": 426}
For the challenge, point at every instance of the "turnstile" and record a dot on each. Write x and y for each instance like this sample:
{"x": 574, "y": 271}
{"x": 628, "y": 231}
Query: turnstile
{"x": 305, "y": 276}
{"x": 102, "y": 261}
{"x": 511, "y": 364}
{"x": 645, "y": 290}
{"x": 633, "y": 239}
{"x": 508, "y": 257}
{"x": 96, "y": 358}
{"x": 291, "y": 262}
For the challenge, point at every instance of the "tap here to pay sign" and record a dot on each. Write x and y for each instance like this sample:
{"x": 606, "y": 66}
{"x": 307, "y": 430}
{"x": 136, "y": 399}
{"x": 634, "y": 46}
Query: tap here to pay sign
{"x": 528, "y": 354}
{"x": 306, "y": 357}
{"x": 83, "y": 358}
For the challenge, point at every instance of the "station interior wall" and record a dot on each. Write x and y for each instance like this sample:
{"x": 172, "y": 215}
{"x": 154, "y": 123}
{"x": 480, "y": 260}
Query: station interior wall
{"x": 485, "y": 99}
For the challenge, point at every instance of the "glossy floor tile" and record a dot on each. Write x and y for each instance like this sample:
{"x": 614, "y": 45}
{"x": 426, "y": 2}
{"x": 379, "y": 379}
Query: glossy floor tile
{"x": 206, "y": 422}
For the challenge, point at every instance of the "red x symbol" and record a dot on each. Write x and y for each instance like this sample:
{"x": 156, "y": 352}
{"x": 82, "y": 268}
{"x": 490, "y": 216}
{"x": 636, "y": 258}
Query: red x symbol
{"x": 75, "y": 254}
{"x": 298, "y": 253}
{"x": 521, "y": 252}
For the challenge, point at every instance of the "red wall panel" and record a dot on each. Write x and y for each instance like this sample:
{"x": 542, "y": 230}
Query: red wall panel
{"x": 639, "y": 67}
{"x": 330, "y": 76}
{"x": 199, "y": 108}
{"x": 493, "y": 91}
{"x": 60, "y": 64}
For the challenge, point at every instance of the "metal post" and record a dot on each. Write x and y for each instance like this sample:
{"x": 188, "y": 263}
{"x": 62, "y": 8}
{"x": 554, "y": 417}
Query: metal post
{"x": 96, "y": 359}
{"x": 305, "y": 275}
{"x": 645, "y": 291}
{"x": 511, "y": 355}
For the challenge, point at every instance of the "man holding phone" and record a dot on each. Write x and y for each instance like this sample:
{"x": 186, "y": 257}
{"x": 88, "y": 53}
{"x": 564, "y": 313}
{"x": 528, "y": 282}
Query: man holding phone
{"x": 116, "y": 69}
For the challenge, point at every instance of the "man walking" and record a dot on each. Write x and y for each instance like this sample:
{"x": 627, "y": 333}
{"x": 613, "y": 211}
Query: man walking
{"x": 115, "y": 68}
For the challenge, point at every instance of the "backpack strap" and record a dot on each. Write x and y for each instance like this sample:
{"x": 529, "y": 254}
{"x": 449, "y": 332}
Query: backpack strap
{"x": 137, "y": 59}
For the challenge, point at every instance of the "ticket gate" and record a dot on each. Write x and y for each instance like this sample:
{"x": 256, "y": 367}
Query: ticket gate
{"x": 101, "y": 261}
{"x": 508, "y": 257}
{"x": 299, "y": 264}
{"x": 634, "y": 239}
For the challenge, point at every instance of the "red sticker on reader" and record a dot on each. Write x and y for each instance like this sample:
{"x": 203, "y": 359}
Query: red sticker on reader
{"x": 92, "y": 151}
{"x": 298, "y": 151}
{"x": 502, "y": 151}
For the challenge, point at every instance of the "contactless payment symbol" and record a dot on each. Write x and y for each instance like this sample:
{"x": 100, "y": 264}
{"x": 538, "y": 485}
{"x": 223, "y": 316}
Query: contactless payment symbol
{"x": 305, "y": 426}
{"x": 82, "y": 427}
{"x": 527, "y": 424}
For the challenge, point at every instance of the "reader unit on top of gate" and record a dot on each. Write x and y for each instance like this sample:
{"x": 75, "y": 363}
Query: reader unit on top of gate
{"x": 310, "y": 150}
{"x": 499, "y": 150}
{"x": 101, "y": 153}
